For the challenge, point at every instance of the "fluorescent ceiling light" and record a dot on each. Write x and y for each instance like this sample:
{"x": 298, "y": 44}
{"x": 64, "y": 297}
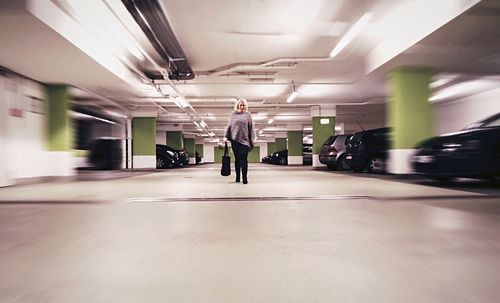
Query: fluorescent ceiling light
{"x": 270, "y": 121}
{"x": 203, "y": 124}
{"x": 181, "y": 102}
{"x": 462, "y": 89}
{"x": 351, "y": 33}
{"x": 85, "y": 116}
{"x": 196, "y": 123}
{"x": 292, "y": 96}
{"x": 114, "y": 114}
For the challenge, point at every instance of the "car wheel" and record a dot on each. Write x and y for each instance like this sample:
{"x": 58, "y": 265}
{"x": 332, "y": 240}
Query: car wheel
{"x": 342, "y": 163}
{"x": 283, "y": 161}
{"x": 160, "y": 163}
{"x": 375, "y": 165}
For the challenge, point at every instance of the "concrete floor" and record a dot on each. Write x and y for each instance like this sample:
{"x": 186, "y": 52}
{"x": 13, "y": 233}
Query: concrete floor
{"x": 292, "y": 234}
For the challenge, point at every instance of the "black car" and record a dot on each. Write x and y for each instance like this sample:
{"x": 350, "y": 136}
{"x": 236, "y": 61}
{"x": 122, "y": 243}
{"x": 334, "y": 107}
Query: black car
{"x": 307, "y": 154}
{"x": 367, "y": 150}
{"x": 182, "y": 155}
{"x": 473, "y": 152}
{"x": 106, "y": 153}
{"x": 166, "y": 158}
{"x": 333, "y": 154}
{"x": 279, "y": 157}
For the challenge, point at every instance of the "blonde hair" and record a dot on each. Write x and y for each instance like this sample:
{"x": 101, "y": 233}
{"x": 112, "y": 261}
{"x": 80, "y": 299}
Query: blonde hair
{"x": 237, "y": 105}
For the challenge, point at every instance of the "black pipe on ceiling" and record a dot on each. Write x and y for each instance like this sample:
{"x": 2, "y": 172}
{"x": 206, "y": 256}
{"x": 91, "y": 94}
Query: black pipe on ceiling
{"x": 153, "y": 22}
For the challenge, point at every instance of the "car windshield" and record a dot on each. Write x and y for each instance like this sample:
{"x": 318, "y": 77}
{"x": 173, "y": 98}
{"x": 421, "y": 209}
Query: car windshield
{"x": 493, "y": 121}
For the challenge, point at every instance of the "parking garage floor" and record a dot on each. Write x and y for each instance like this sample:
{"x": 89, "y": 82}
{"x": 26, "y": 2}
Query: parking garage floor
{"x": 293, "y": 234}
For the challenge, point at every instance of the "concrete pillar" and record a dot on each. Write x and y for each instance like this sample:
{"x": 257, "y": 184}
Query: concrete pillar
{"x": 144, "y": 141}
{"x": 295, "y": 145}
{"x": 174, "y": 139}
{"x": 200, "y": 149}
{"x": 280, "y": 143}
{"x": 271, "y": 147}
{"x": 410, "y": 116}
{"x": 323, "y": 121}
{"x": 189, "y": 146}
{"x": 59, "y": 131}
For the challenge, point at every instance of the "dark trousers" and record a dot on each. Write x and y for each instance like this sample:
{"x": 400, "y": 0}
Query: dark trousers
{"x": 241, "y": 158}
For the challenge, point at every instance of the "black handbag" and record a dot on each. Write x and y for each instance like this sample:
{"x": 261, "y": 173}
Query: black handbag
{"x": 226, "y": 162}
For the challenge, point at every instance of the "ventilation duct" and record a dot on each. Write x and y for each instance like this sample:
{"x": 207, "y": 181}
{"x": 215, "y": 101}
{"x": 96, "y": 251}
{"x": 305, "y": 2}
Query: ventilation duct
{"x": 153, "y": 22}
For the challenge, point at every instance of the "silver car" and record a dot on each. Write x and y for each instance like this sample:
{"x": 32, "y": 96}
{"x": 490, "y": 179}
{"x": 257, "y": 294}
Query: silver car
{"x": 333, "y": 152}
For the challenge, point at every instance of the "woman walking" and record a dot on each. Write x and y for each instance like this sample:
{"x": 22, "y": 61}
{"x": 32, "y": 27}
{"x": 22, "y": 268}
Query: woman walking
{"x": 241, "y": 132}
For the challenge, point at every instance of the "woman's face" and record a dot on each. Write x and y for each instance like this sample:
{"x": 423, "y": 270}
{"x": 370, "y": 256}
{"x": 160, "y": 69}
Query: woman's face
{"x": 241, "y": 107}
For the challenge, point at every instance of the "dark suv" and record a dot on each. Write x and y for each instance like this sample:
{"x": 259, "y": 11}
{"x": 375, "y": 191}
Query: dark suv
{"x": 473, "y": 152}
{"x": 367, "y": 150}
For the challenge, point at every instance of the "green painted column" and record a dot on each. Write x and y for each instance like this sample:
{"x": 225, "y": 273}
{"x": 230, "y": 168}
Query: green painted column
{"x": 199, "y": 149}
{"x": 190, "y": 148}
{"x": 174, "y": 139}
{"x": 271, "y": 147}
{"x": 323, "y": 128}
{"x": 280, "y": 144}
{"x": 144, "y": 142}
{"x": 409, "y": 114}
{"x": 295, "y": 147}
{"x": 59, "y": 126}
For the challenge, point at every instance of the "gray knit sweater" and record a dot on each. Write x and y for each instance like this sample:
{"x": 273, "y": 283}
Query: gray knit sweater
{"x": 240, "y": 128}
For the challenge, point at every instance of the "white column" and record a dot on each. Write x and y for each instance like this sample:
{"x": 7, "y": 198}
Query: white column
{"x": 4, "y": 180}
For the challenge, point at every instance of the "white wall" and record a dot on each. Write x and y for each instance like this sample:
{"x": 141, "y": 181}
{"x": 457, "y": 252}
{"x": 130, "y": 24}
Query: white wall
{"x": 24, "y": 152}
{"x": 4, "y": 181}
{"x": 161, "y": 137}
{"x": 263, "y": 150}
{"x": 208, "y": 153}
{"x": 454, "y": 115}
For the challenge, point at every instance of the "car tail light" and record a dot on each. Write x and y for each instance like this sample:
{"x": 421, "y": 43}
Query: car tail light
{"x": 332, "y": 149}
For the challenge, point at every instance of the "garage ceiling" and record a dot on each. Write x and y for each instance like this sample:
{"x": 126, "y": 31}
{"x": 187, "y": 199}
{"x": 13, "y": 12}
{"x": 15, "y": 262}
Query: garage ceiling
{"x": 231, "y": 47}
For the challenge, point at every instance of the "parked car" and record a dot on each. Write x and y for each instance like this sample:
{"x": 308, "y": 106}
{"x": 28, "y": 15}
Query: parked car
{"x": 166, "y": 158}
{"x": 307, "y": 154}
{"x": 266, "y": 159}
{"x": 182, "y": 155}
{"x": 279, "y": 157}
{"x": 367, "y": 150}
{"x": 473, "y": 152}
{"x": 332, "y": 153}
{"x": 106, "y": 153}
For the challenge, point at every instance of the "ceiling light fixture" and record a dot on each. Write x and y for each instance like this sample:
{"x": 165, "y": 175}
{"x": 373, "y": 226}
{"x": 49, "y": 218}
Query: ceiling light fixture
{"x": 293, "y": 95}
{"x": 203, "y": 124}
{"x": 270, "y": 121}
{"x": 351, "y": 33}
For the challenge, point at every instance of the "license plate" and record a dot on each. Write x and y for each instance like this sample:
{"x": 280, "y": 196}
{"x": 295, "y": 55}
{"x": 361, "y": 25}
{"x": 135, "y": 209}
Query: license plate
{"x": 348, "y": 158}
{"x": 424, "y": 159}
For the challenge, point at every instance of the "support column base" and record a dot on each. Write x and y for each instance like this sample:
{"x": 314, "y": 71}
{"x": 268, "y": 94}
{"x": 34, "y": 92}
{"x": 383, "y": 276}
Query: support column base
{"x": 399, "y": 161}
{"x": 316, "y": 162}
{"x": 295, "y": 160}
{"x": 144, "y": 161}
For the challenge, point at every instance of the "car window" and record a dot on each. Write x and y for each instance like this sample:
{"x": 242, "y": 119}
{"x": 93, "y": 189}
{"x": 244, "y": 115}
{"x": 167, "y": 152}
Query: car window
{"x": 492, "y": 123}
{"x": 330, "y": 140}
{"x": 356, "y": 138}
